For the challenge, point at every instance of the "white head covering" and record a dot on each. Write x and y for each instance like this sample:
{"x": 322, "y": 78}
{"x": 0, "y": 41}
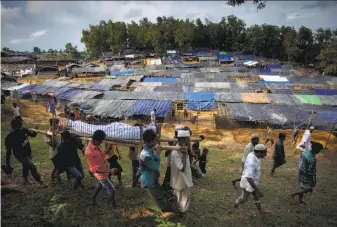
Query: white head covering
{"x": 260, "y": 147}
{"x": 183, "y": 133}
{"x": 254, "y": 136}
{"x": 312, "y": 127}
{"x": 178, "y": 127}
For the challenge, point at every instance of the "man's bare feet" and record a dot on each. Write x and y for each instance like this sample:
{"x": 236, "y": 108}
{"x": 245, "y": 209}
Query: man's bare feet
{"x": 167, "y": 214}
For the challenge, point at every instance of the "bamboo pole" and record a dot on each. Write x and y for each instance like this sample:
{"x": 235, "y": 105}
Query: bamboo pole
{"x": 327, "y": 141}
{"x": 127, "y": 143}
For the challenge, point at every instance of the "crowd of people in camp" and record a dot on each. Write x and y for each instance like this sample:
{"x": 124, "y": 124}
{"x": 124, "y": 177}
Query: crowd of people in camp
{"x": 184, "y": 162}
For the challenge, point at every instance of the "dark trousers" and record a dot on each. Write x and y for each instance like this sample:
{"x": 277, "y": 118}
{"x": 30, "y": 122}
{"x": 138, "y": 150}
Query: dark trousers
{"x": 135, "y": 168}
{"x": 28, "y": 165}
{"x": 73, "y": 171}
{"x": 202, "y": 166}
{"x": 166, "y": 183}
{"x": 157, "y": 193}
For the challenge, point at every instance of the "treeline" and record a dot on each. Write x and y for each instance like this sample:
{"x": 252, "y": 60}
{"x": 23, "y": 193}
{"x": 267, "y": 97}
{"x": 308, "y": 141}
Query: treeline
{"x": 230, "y": 34}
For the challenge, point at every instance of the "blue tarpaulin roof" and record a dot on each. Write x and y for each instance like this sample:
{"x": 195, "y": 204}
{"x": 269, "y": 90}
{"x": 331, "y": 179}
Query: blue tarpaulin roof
{"x": 321, "y": 91}
{"x": 200, "y": 96}
{"x": 144, "y": 107}
{"x": 28, "y": 88}
{"x": 68, "y": 95}
{"x": 274, "y": 66}
{"x": 160, "y": 79}
{"x": 101, "y": 87}
{"x": 121, "y": 73}
{"x": 265, "y": 70}
{"x": 200, "y": 100}
{"x": 225, "y": 58}
{"x": 329, "y": 116}
{"x": 273, "y": 82}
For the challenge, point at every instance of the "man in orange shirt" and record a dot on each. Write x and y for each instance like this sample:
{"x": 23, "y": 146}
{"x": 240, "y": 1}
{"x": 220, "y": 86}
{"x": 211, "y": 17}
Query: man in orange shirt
{"x": 98, "y": 166}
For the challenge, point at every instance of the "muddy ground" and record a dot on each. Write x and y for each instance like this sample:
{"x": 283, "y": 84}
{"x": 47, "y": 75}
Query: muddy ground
{"x": 212, "y": 197}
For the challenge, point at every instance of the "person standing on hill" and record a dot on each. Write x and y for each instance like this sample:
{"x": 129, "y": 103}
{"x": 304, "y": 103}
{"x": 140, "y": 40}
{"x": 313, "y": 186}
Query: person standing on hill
{"x": 269, "y": 136}
{"x": 153, "y": 115}
{"x": 254, "y": 140}
{"x": 279, "y": 154}
{"x": 52, "y": 109}
{"x": 305, "y": 144}
{"x": 17, "y": 142}
{"x": 16, "y": 111}
{"x": 34, "y": 96}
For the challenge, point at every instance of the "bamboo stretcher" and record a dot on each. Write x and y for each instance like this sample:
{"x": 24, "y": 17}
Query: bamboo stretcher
{"x": 128, "y": 143}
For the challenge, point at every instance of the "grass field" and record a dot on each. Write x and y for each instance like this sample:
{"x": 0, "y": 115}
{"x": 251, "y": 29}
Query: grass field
{"x": 212, "y": 197}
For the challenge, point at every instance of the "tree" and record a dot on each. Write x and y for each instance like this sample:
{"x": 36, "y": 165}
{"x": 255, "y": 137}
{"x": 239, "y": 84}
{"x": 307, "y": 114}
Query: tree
{"x": 259, "y": 4}
{"x": 36, "y": 50}
{"x": 72, "y": 50}
{"x": 51, "y": 51}
{"x": 8, "y": 50}
{"x": 328, "y": 58}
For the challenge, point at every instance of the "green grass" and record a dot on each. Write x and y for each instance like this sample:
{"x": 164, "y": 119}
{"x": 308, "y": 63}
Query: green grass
{"x": 212, "y": 197}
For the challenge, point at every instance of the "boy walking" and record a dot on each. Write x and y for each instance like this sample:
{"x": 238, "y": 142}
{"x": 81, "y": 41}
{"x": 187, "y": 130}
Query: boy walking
{"x": 279, "y": 154}
{"x": 99, "y": 167}
{"x": 251, "y": 177}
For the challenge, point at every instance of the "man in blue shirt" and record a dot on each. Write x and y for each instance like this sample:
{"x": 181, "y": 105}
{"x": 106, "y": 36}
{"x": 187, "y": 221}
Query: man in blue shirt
{"x": 149, "y": 166}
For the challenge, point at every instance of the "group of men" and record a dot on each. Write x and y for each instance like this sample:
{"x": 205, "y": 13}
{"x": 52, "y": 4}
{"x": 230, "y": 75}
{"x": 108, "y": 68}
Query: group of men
{"x": 63, "y": 150}
{"x": 251, "y": 166}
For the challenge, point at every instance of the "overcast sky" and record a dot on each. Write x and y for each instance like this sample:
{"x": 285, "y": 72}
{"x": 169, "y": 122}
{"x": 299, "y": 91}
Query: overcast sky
{"x": 51, "y": 24}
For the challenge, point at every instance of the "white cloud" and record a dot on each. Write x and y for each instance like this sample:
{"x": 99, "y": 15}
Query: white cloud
{"x": 32, "y": 37}
{"x": 9, "y": 26}
{"x": 294, "y": 16}
{"x": 34, "y": 7}
{"x": 38, "y": 34}
{"x": 9, "y": 13}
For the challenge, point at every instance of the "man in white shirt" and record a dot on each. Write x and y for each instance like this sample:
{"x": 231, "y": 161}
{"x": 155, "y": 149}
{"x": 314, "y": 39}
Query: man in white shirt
{"x": 254, "y": 140}
{"x": 250, "y": 178}
{"x": 305, "y": 144}
{"x": 153, "y": 116}
{"x": 181, "y": 174}
{"x": 16, "y": 111}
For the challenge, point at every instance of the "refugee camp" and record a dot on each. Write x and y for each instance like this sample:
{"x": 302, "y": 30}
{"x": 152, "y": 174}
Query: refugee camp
{"x": 151, "y": 115}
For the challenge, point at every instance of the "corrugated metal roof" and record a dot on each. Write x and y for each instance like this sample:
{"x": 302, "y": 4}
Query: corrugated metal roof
{"x": 144, "y": 107}
{"x": 113, "y": 108}
{"x": 213, "y": 85}
{"x": 283, "y": 99}
{"x": 328, "y": 100}
{"x": 88, "y": 70}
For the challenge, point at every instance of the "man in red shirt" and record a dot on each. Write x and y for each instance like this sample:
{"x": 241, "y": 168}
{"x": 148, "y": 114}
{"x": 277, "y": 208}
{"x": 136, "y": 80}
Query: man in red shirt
{"x": 98, "y": 166}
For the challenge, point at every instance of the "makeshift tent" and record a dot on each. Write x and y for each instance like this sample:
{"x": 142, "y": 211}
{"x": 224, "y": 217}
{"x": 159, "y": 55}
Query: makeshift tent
{"x": 329, "y": 116}
{"x": 254, "y": 97}
{"x": 122, "y": 73}
{"x": 309, "y": 99}
{"x": 113, "y": 108}
{"x": 17, "y": 87}
{"x": 228, "y": 97}
{"x": 328, "y": 100}
{"x": 160, "y": 79}
{"x": 320, "y": 91}
{"x": 213, "y": 85}
{"x": 200, "y": 100}
{"x": 144, "y": 107}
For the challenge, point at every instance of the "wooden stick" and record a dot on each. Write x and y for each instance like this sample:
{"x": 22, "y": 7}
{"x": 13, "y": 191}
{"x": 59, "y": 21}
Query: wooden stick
{"x": 192, "y": 139}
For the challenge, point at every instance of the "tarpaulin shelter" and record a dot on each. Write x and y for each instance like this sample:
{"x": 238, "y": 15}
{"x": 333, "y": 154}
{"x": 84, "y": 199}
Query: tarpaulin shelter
{"x": 329, "y": 116}
{"x": 200, "y": 100}
{"x": 107, "y": 84}
{"x": 144, "y": 107}
{"x": 303, "y": 92}
{"x": 7, "y": 84}
{"x": 56, "y": 83}
{"x": 28, "y": 88}
{"x": 320, "y": 91}
{"x": 283, "y": 99}
{"x": 113, "y": 108}
{"x": 86, "y": 94}
{"x": 228, "y": 97}
{"x": 122, "y": 73}
{"x": 308, "y": 99}
{"x": 17, "y": 87}
{"x": 160, "y": 79}
{"x": 254, "y": 98}
{"x": 69, "y": 94}
{"x": 328, "y": 100}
